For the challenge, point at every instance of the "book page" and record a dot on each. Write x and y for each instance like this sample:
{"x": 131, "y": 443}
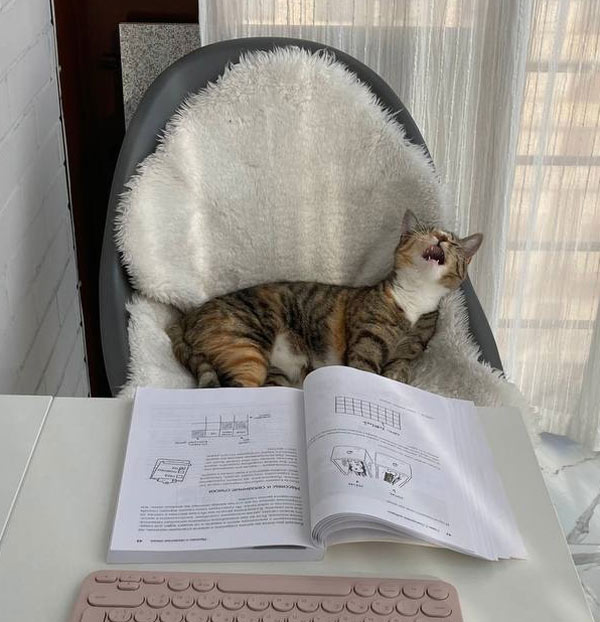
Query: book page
{"x": 489, "y": 501}
{"x": 214, "y": 469}
{"x": 381, "y": 450}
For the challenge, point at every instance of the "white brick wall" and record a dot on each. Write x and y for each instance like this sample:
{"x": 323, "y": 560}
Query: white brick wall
{"x": 41, "y": 334}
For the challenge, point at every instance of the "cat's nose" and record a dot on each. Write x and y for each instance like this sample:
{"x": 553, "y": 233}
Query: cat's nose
{"x": 440, "y": 237}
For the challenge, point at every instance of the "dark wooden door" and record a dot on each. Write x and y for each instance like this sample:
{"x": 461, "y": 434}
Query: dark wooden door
{"x": 90, "y": 81}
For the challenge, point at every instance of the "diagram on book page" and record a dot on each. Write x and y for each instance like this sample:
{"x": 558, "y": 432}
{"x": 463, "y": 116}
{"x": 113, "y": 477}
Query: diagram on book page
{"x": 356, "y": 461}
{"x": 346, "y": 405}
{"x": 352, "y": 461}
{"x": 391, "y": 470}
{"x": 220, "y": 426}
{"x": 168, "y": 471}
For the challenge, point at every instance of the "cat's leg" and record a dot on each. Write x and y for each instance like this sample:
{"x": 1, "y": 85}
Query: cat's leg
{"x": 397, "y": 369}
{"x": 360, "y": 361}
{"x": 367, "y": 350}
{"x": 195, "y": 360}
{"x": 407, "y": 350}
{"x": 277, "y": 378}
{"x": 242, "y": 365}
{"x": 204, "y": 371}
{"x": 222, "y": 344}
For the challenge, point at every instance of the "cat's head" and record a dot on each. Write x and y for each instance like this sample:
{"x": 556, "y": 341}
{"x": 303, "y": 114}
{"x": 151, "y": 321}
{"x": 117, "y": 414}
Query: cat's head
{"x": 433, "y": 254}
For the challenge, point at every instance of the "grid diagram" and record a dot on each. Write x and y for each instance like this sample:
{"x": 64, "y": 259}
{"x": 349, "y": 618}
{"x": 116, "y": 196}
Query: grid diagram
{"x": 211, "y": 427}
{"x": 345, "y": 405}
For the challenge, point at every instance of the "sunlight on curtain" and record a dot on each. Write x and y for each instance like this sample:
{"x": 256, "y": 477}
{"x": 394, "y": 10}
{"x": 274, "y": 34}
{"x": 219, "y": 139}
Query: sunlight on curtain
{"x": 549, "y": 330}
{"x": 507, "y": 96}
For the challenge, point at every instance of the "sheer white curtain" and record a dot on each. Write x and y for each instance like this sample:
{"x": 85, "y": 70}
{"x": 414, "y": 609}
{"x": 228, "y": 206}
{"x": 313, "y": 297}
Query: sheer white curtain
{"x": 507, "y": 96}
{"x": 549, "y": 326}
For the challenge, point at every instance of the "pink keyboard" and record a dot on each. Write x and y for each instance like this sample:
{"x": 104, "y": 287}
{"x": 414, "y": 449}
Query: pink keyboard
{"x": 120, "y": 596}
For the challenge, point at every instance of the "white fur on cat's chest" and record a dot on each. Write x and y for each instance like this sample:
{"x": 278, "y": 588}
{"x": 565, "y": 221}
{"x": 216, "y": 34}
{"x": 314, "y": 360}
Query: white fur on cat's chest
{"x": 293, "y": 363}
{"x": 416, "y": 297}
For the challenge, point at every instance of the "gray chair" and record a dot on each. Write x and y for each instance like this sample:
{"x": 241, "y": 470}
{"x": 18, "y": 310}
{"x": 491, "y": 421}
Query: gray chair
{"x": 188, "y": 75}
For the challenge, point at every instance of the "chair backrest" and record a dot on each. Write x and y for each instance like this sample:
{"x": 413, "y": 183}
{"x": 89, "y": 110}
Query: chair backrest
{"x": 189, "y": 75}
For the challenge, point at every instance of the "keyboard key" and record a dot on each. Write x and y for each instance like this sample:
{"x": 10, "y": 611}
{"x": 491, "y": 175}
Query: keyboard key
{"x": 307, "y": 604}
{"x": 203, "y": 585}
{"x": 131, "y": 576}
{"x": 413, "y": 591}
{"x": 178, "y": 584}
{"x": 119, "y": 615}
{"x": 154, "y": 579}
{"x": 283, "y": 603}
{"x": 348, "y": 617}
{"x": 144, "y": 615}
{"x": 354, "y": 605}
{"x": 115, "y": 599}
{"x": 233, "y": 603}
{"x": 273, "y": 616}
{"x": 365, "y": 589}
{"x": 438, "y": 592}
{"x": 298, "y": 616}
{"x": 407, "y": 607}
{"x": 183, "y": 600}
{"x": 258, "y": 603}
{"x": 158, "y": 600}
{"x": 382, "y": 607}
{"x": 106, "y": 577}
{"x": 269, "y": 584}
{"x": 92, "y": 614}
{"x": 208, "y": 601}
{"x": 222, "y": 616}
{"x": 196, "y": 615}
{"x": 389, "y": 590}
{"x": 171, "y": 615}
{"x": 247, "y": 616}
{"x": 128, "y": 586}
{"x": 332, "y": 605}
{"x": 436, "y": 610}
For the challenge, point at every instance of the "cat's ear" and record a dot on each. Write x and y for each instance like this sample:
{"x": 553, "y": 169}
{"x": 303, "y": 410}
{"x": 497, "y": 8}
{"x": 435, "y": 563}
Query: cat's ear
{"x": 409, "y": 222}
{"x": 470, "y": 245}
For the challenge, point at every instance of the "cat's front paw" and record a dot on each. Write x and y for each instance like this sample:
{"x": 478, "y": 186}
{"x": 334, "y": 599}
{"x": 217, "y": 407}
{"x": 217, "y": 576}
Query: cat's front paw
{"x": 400, "y": 373}
{"x": 396, "y": 376}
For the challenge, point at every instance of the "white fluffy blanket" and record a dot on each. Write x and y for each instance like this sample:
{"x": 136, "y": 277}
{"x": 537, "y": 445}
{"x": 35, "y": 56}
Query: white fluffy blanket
{"x": 286, "y": 169}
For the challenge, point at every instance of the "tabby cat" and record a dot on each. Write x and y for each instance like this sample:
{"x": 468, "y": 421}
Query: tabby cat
{"x": 275, "y": 334}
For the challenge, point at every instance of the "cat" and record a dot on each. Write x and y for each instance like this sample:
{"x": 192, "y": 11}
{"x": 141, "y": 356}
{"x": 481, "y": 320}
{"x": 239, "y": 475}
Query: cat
{"x": 274, "y": 334}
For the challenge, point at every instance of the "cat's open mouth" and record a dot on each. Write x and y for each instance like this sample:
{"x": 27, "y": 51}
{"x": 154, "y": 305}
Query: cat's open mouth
{"x": 434, "y": 253}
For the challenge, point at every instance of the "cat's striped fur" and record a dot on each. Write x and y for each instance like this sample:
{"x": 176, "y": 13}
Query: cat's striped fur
{"x": 275, "y": 334}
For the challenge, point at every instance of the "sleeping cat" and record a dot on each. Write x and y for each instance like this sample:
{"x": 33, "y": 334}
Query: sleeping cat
{"x": 275, "y": 334}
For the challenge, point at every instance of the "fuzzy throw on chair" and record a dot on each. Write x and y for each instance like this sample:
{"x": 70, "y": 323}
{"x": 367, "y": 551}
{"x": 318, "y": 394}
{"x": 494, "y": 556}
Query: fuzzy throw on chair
{"x": 287, "y": 168}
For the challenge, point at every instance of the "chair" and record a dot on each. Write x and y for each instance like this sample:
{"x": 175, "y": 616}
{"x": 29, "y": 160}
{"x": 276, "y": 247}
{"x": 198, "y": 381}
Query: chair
{"x": 188, "y": 75}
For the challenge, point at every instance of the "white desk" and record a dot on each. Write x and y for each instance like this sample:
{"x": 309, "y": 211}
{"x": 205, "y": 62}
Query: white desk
{"x": 21, "y": 419}
{"x": 61, "y": 523}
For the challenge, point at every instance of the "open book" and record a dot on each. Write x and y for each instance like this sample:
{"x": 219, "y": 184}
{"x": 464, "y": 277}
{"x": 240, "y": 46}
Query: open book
{"x": 280, "y": 473}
